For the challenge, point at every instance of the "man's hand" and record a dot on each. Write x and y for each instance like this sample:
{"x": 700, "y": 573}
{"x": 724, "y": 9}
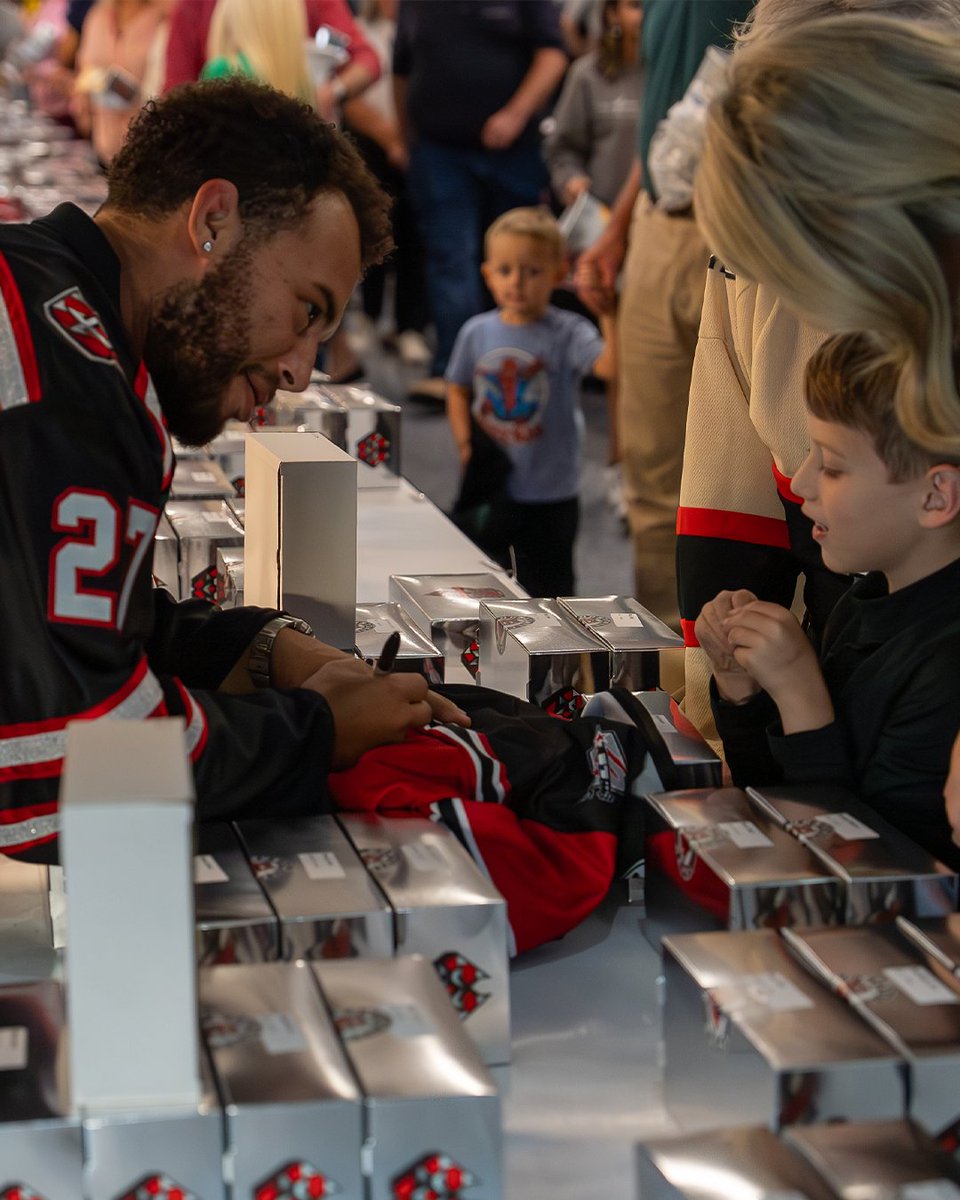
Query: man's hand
{"x": 771, "y": 647}
{"x": 371, "y": 710}
{"x": 501, "y": 129}
{"x": 733, "y": 682}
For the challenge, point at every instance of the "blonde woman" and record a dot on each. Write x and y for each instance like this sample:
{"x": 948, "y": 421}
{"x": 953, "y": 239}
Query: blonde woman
{"x": 262, "y": 39}
{"x": 739, "y": 521}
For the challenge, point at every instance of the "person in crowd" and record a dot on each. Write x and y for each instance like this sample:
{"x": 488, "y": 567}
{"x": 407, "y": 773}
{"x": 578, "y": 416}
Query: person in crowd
{"x": 471, "y": 82}
{"x": 514, "y": 374}
{"x": 591, "y": 145}
{"x": 744, "y": 527}
{"x": 878, "y": 712}
{"x": 261, "y": 39}
{"x": 591, "y": 149}
{"x": 190, "y": 27}
{"x": 112, "y": 56}
{"x": 663, "y": 259}
{"x": 209, "y": 277}
{"x": 372, "y": 120}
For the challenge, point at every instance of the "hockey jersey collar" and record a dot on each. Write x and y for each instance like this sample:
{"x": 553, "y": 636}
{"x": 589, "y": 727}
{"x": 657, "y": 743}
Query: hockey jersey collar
{"x": 72, "y": 226}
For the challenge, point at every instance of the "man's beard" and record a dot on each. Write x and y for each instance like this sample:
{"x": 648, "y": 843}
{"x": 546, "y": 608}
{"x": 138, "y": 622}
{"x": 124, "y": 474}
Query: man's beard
{"x": 198, "y": 342}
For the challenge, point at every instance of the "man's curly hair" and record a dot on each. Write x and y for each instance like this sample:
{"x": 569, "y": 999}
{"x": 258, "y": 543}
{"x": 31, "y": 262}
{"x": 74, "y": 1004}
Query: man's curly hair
{"x": 275, "y": 149}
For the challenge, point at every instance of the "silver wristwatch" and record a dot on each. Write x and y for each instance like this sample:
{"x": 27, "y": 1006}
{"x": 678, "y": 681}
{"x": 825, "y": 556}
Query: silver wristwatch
{"x": 262, "y": 648}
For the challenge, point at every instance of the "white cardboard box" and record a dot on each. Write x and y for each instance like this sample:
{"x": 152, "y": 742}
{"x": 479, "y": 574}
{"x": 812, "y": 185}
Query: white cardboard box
{"x": 300, "y": 550}
{"x": 126, "y": 833}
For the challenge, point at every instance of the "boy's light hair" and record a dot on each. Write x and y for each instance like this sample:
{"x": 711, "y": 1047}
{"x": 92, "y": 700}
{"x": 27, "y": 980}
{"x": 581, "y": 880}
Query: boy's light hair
{"x": 537, "y": 223}
{"x": 830, "y": 172}
{"x": 846, "y": 385}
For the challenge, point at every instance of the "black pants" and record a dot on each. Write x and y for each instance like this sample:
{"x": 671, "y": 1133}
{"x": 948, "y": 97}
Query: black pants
{"x": 543, "y": 536}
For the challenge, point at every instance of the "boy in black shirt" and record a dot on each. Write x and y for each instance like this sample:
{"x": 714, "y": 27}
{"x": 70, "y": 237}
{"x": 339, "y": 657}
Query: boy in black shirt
{"x": 879, "y": 711}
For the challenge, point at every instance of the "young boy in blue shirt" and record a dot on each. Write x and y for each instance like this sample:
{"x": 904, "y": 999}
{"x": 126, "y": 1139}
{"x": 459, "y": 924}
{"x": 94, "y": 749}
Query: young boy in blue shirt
{"x": 516, "y": 371}
{"x": 878, "y": 713}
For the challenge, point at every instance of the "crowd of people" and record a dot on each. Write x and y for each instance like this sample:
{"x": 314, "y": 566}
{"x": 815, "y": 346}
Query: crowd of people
{"x": 773, "y": 300}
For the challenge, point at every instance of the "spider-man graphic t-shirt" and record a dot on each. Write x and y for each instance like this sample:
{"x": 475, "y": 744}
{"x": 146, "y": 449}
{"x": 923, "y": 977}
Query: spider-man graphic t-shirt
{"x": 525, "y": 381}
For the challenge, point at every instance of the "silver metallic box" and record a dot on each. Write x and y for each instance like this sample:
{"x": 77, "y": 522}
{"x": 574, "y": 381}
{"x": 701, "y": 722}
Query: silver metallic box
{"x": 882, "y": 872}
{"x": 714, "y": 861}
{"x": 937, "y": 939}
{"x": 446, "y": 608}
{"x": 726, "y": 1164}
{"x": 448, "y": 911}
{"x": 293, "y": 1111}
{"x": 155, "y": 1152}
{"x": 199, "y": 479}
{"x": 201, "y": 527}
{"x": 235, "y": 922}
{"x": 878, "y": 1159}
{"x": 632, "y": 633}
{"x": 431, "y": 1109}
{"x": 166, "y": 557}
{"x": 312, "y": 410}
{"x": 905, "y": 998}
{"x": 230, "y": 576}
{"x": 373, "y": 433}
{"x": 27, "y": 952}
{"x": 535, "y": 650}
{"x": 749, "y": 1036}
{"x": 40, "y": 1140}
{"x": 375, "y": 623}
{"x": 327, "y": 903}
{"x": 677, "y": 749}
{"x": 228, "y": 451}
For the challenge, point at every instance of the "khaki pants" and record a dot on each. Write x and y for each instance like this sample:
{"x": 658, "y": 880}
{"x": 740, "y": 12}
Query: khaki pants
{"x": 662, "y": 295}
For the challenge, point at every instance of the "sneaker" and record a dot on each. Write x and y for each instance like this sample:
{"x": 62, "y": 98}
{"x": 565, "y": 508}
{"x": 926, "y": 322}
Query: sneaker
{"x": 413, "y": 349}
{"x": 433, "y": 391}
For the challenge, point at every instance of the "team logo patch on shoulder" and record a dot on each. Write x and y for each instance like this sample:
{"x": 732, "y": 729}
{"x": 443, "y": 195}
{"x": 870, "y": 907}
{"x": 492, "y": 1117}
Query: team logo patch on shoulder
{"x": 80, "y": 325}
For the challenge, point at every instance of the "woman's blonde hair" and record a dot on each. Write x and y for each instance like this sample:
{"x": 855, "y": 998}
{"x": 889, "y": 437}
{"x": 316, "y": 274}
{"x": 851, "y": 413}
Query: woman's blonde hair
{"x": 272, "y": 35}
{"x": 831, "y": 173}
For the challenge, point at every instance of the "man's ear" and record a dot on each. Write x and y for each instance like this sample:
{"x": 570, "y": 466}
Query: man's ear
{"x": 941, "y": 497}
{"x": 213, "y": 224}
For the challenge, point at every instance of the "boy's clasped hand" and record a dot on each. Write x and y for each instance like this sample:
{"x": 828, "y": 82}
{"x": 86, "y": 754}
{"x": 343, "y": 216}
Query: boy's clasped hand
{"x": 755, "y": 646}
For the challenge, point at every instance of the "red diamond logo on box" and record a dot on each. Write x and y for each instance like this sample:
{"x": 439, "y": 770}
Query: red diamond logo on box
{"x": 373, "y": 449}
{"x": 436, "y": 1177}
{"x": 19, "y": 1191}
{"x": 204, "y": 585}
{"x": 471, "y": 658}
{"x": 296, "y": 1181}
{"x": 158, "y": 1187}
{"x": 460, "y": 977}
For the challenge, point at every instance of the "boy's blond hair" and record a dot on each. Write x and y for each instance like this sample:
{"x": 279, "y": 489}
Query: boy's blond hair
{"x": 846, "y": 385}
{"x": 537, "y": 223}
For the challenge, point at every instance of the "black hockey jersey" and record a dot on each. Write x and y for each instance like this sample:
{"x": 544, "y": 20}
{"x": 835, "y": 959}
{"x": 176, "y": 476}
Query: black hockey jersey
{"x": 85, "y": 464}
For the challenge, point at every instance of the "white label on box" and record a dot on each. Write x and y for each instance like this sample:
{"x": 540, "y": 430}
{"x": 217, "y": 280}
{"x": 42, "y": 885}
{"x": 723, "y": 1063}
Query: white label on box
{"x": 744, "y": 835}
{"x": 664, "y": 724}
{"x": 280, "y": 1034}
{"x": 406, "y": 1020}
{"x": 776, "y": 991}
{"x": 423, "y": 857}
{"x": 929, "y": 1189}
{"x": 921, "y": 985}
{"x": 322, "y": 864}
{"x": 13, "y": 1048}
{"x": 625, "y": 620}
{"x": 848, "y": 827}
{"x": 203, "y": 476}
{"x": 206, "y": 869}
{"x": 541, "y": 620}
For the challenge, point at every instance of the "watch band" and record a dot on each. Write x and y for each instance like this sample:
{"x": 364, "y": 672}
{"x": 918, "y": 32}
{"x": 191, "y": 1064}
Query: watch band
{"x": 261, "y": 649}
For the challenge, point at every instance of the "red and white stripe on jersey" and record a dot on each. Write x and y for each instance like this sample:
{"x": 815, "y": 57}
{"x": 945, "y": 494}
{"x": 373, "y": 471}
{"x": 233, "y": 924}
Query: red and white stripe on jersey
{"x": 195, "y": 733}
{"x": 34, "y": 749}
{"x": 490, "y": 774}
{"x": 147, "y": 393}
{"x": 19, "y": 374}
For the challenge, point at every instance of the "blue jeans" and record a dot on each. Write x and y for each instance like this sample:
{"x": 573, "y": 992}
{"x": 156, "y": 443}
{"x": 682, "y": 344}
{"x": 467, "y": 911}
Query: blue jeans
{"x": 458, "y": 191}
